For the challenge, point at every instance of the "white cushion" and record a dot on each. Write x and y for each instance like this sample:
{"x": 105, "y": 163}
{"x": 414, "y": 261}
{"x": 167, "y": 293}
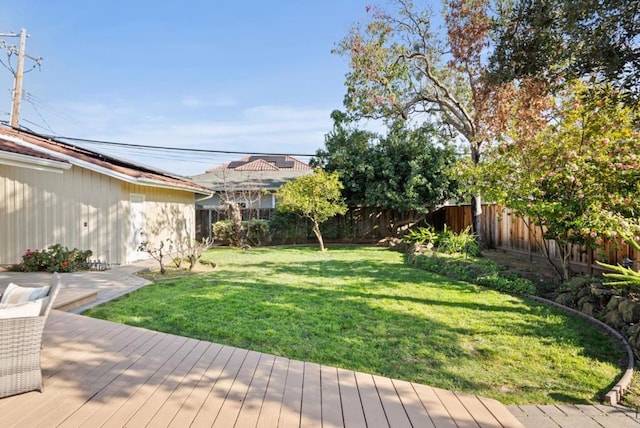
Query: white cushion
{"x": 22, "y": 310}
{"x": 17, "y": 294}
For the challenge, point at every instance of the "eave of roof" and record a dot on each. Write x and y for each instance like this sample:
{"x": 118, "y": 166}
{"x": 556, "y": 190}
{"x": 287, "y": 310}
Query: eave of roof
{"x": 13, "y": 154}
{"x": 116, "y": 168}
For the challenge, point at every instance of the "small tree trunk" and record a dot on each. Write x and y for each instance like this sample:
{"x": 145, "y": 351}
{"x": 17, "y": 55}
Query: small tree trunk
{"x": 235, "y": 216}
{"x": 160, "y": 256}
{"x": 316, "y": 231}
{"x": 476, "y": 200}
{"x": 565, "y": 254}
{"x": 476, "y": 217}
{"x": 543, "y": 245}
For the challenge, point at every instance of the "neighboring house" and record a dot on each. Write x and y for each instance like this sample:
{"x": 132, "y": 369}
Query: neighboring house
{"x": 53, "y": 192}
{"x": 251, "y": 182}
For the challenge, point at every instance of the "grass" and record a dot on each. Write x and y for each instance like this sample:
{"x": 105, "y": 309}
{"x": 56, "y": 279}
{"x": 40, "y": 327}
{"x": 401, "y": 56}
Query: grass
{"x": 362, "y": 308}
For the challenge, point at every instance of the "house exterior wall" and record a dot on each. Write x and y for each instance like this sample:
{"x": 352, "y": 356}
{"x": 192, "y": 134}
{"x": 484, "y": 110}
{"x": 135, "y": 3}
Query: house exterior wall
{"x": 252, "y": 200}
{"x": 80, "y": 209}
{"x": 169, "y": 214}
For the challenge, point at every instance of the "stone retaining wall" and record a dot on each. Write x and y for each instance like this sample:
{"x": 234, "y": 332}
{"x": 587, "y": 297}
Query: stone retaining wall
{"x": 592, "y": 298}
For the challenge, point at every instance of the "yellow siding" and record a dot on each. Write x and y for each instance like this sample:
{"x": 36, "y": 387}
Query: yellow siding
{"x": 80, "y": 209}
{"x": 168, "y": 214}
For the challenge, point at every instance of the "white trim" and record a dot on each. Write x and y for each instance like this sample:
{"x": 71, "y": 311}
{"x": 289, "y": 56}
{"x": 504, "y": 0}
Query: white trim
{"x": 26, "y": 161}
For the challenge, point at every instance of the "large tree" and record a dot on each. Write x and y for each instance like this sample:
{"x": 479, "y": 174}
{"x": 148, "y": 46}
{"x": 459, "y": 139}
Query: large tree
{"x": 558, "y": 40}
{"x": 408, "y": 171}
{"x": 578, "y": 179}
{"x": 315, "y": 196}
{"x": 401, "y": 66}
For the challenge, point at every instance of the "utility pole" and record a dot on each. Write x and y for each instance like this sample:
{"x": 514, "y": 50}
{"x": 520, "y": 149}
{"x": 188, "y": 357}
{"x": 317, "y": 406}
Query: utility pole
{"x": 19, "y": 73}
{"x": 17, "y": 87}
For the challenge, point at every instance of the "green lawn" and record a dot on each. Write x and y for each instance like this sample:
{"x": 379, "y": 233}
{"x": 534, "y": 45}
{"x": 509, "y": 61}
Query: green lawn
{"x": 361, "y": 308}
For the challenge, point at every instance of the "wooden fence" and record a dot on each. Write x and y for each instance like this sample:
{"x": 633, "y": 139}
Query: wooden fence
{"x": 506, "y": 231}
{"x": 501, "y": 230}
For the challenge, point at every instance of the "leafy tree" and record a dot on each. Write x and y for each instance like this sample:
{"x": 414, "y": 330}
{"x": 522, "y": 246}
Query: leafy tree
{"x": 558, "y": 40}
{"x": 348, "y": 152}
{"x": 408, "y": 169}
{"x": 401, "y": 67}
{"x": 404, "y": 171}
{"x": 578, "y": 180}
{"x": 315, "y": 196}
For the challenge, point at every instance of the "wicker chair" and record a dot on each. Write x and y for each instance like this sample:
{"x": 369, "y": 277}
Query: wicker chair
{"x": 20, "y": 346}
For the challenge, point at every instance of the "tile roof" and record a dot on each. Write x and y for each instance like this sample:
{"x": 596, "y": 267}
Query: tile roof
{"x": 265, "y": 163}
{"x": 257, "y": 165}
{"x": 34, "y": 145}
{"x": 256, "y": 172}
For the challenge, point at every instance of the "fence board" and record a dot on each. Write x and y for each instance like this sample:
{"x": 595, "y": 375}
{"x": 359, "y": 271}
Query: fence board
{"x": 506, "y": 231}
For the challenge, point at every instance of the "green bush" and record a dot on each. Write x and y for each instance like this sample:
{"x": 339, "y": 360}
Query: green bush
{"x": 258, "y": 232}
{"x": 477, "y": 271}
{"x": 464, "y": 242}
{"x": 221, "y": 231}
{"x": 56, "y": 258}
{"x": 422, "y": 235}
{"x": 446, "y": 241}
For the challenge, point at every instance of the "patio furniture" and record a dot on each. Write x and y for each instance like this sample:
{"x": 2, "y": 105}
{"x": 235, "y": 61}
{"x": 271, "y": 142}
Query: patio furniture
{"x": 21, "y": 335}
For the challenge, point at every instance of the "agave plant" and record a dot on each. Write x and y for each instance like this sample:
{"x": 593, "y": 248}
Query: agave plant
{"x": 623, "y": 276}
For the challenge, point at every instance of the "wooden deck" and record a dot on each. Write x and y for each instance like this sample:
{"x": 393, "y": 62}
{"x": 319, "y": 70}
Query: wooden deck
{"x": 102, "y": 374}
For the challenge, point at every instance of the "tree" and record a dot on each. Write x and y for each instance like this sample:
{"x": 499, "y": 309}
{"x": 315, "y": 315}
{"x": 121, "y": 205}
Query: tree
{"x": 558, "y": 40}
{"x": 400, "y": 67}
{"x": 348, "y": 152}
{"x": 578, "y": 179}
{"x": 405, "y": 171}
{"x": 315, "y": 196}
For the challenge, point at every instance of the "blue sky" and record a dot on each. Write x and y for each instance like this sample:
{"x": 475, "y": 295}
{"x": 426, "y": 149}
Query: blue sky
{"x": 255, "y": 76}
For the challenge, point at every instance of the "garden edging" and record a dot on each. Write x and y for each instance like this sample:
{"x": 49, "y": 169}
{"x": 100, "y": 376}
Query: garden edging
{"x": 615, "y": 394}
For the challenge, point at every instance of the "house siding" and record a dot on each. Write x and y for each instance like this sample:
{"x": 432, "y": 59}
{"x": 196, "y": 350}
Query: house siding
{"x": 169, "y": 214}
{"x": 81, "y": 209}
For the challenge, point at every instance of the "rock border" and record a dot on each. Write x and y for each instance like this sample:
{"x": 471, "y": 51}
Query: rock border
{"x": 615, "y": 394}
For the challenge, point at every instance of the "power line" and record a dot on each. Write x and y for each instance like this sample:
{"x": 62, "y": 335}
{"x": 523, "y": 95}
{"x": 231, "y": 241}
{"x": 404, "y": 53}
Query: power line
{"x": 179, "y": 149}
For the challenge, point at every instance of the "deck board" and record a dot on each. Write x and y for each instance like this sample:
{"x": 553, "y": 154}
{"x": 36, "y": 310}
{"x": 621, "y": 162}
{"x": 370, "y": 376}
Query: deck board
{"x": 157, "y": 399}
{"x": 252, "y": 405}
{"x": 270, "y": 411}
{"x": 99, "y": 373}
{"x": 393, "y": 408}
{"x": 414, "y": 408}
{"x": 311, "y": 396}
{"x": 352, "y": 411}
{"x": 292, "y": 399}
{"x": 331, "y": 403}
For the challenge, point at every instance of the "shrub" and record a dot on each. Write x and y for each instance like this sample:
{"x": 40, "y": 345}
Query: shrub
{"x": 481, "y": 272}
{"x": 221, "y": 231}
{"x": 446, "y": 241}
{"x": 422, "y": 235}
{"x": 56, "y": 258}
{"x": 258, "y": 232}
{"x": 464, "y": 242}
